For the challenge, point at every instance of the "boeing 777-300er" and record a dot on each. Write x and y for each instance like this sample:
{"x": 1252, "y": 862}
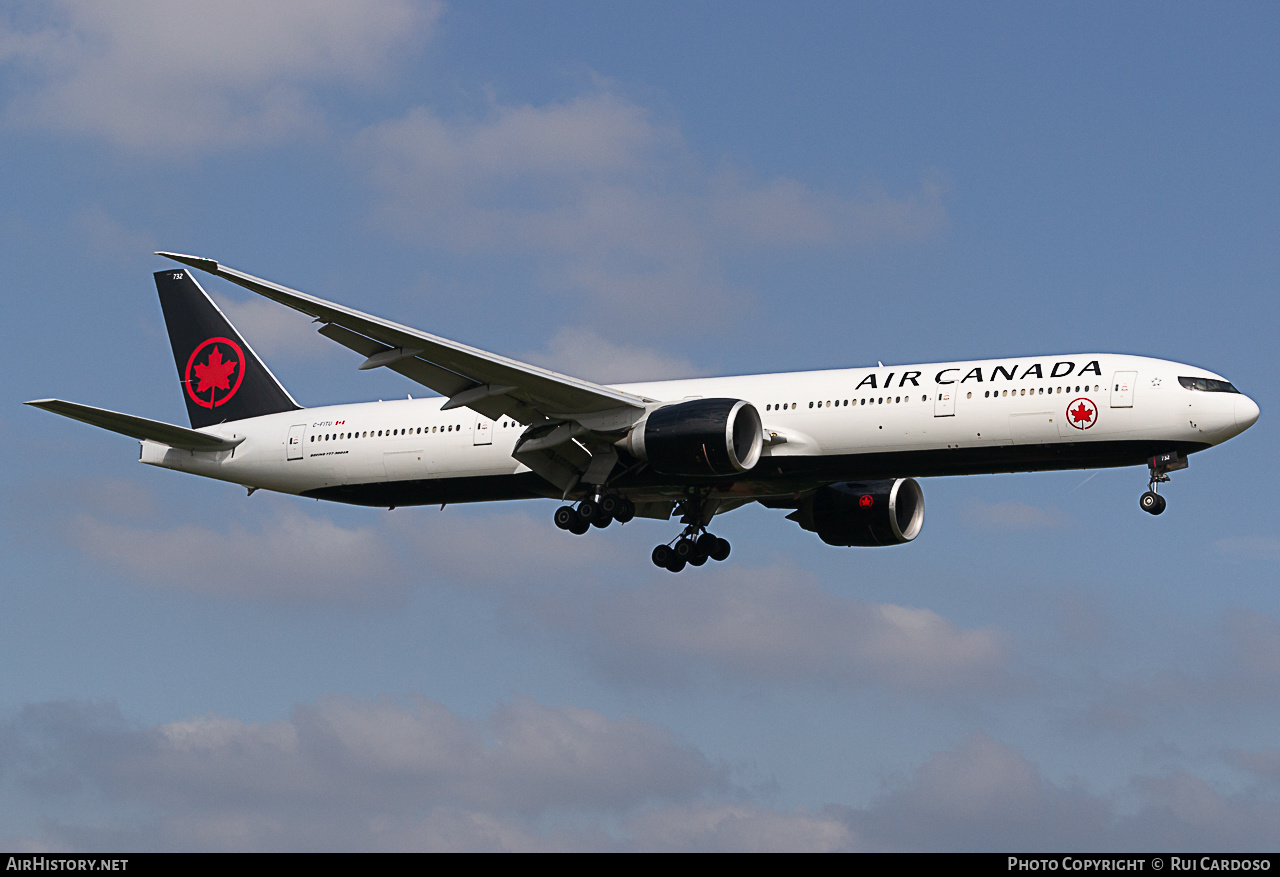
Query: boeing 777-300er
{"x": 840, "y": 449}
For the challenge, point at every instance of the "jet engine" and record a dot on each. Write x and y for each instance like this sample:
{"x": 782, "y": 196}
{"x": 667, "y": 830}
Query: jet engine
{"x": 701, "y": 437}
{"x": 864, "y": 513}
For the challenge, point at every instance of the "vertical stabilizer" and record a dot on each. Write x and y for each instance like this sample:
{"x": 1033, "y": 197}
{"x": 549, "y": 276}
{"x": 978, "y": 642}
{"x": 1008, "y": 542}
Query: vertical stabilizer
{"x": 222, "y": 378}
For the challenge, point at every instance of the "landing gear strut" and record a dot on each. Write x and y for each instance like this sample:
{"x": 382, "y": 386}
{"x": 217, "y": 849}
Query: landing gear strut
{"x": 1160, "y": 465}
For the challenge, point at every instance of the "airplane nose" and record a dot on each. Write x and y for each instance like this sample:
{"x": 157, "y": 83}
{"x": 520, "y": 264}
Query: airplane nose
{"x": 1246, "y": 413}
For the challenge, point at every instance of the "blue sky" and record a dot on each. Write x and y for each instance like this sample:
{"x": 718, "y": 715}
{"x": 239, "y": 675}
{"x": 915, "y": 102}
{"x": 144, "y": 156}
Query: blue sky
{"x": 625, "y": 192}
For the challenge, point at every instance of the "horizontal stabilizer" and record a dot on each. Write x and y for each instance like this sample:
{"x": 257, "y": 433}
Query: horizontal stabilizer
{"x": 139, "y": 427}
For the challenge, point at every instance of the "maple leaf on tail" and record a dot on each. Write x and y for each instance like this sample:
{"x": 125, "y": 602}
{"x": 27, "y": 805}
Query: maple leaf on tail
{"x": 215, "y": 374}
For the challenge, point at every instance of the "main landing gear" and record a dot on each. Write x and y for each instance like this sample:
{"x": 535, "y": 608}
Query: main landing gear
{"x": 690, "y": 549}
{"x": 599, "y": 512}
{"x": 693, "y": 547}
{"x": 1160, "y": 465}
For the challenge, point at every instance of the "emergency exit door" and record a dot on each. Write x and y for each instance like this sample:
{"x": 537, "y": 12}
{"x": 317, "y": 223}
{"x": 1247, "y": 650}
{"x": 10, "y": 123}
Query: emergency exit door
{"x": 296, "y": 435}
{"x": 1122, "y": 389}
{"x": 944, "y": 403}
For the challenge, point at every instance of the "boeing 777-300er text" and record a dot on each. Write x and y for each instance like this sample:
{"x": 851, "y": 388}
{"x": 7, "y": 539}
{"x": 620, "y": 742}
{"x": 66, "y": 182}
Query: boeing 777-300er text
{"x": 840, "y": 449}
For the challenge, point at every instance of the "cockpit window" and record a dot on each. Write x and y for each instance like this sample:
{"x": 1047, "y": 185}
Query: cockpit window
{"x": 1208, "y": 385}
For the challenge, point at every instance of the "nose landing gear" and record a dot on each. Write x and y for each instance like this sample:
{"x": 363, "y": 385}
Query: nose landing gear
{"x": 1160, "y": 465}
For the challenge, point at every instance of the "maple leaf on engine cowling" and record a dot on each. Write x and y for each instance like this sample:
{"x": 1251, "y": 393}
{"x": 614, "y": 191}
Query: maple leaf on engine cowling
{"x": 215, "y": 374}
{"x": 1082, "y": 413}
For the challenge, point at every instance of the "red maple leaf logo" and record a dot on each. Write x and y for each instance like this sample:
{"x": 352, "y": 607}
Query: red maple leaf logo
{"x": 1082, "y": 414}
{"x": 217, "y": 377}
{"x": 215, "y": 373}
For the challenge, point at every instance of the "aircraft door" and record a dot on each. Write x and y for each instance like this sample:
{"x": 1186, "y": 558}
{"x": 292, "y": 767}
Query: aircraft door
{"x": 483, "y": 431}
{"x": 297, "y": 435}
{"x": 944, "y": 403}
{"x": 1122, "y": 389}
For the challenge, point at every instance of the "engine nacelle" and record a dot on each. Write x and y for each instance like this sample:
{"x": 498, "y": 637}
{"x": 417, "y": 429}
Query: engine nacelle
{"x": 864, "y": 513}
{"x": 701, "y": 437}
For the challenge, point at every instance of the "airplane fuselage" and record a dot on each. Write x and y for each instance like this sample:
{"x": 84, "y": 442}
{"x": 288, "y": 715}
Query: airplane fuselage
{"x": 1009, "y": 415}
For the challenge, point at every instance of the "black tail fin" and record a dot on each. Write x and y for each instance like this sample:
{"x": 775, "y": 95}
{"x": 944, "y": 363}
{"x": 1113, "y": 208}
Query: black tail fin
{"x": 222, "y": 378}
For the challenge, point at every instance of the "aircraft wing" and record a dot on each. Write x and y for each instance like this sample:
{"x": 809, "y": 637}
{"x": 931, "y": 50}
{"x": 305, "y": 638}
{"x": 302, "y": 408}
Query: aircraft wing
{"x": 485, "y": 382}
{"x": 140, "y": 428}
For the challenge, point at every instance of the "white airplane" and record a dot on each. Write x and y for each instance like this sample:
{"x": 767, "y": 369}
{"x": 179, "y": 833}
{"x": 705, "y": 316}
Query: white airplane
{"x": 842, "y": 448}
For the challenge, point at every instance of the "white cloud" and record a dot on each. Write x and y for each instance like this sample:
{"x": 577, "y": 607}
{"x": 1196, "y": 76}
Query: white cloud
{"x": 612, "y": 204}
{"x": 982, "y": 795}
{"x": 1263, "y": 762}
{"x": 712, "y": 827}
{"x": 772, "y": 624}
{"x": 460, "y": 546}
{"x": 288, "y": 557}
{"x": 1240, "y": 655}
{"x": 1014, "y": 515}
{"x": 1249, "y": 548}
{"x": 107, "y": 237}
{"x": 347, "y": 774}
{"x": 786, "y": 212}
{"x": 1253, "y": 640}
{"x": 276, "y": 331}
{"x": 586, "y": 354}
{"x": 180, "y": 78}
{"x": 273, "y": 552}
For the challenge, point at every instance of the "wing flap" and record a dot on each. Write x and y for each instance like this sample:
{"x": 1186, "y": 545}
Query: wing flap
{"x": 140, "y": 428}
{"x": 441, "y": 380}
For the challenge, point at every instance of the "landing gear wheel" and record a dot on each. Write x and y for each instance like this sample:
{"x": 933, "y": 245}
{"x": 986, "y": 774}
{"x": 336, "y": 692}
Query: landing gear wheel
{"x": 579, "y": 525}
{"x": 1152, "y": 503}
{"x": 565, "y": 516}
{"x": 686, "y": 549}
{"x": 625, "y": 511}
{"x": 594, "y": 513}
{"x": 662, "y": 556}
{"x": 676, "y": 564}
{"x": 721, "y": 550}
{"x": 1160, "y": 504}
